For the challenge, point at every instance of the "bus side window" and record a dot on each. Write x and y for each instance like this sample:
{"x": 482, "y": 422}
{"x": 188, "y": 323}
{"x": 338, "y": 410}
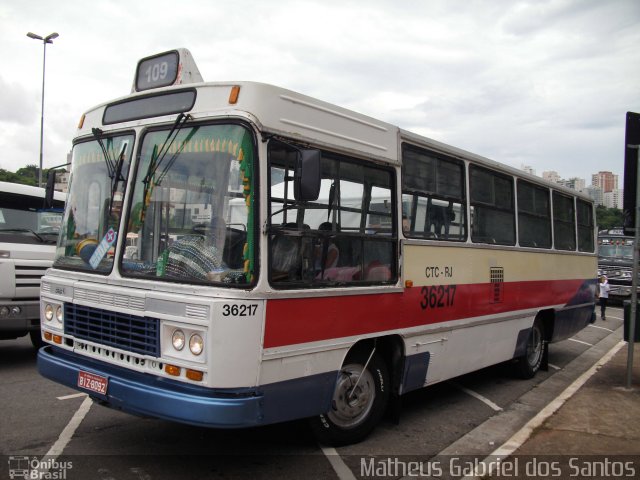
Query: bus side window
{"x": 378, "y": 257}
{"x": 324, "y": 242}
{"x": 433, "y": 195}
{"x": 492, "y": 200}
{"x": 284, "y": 257}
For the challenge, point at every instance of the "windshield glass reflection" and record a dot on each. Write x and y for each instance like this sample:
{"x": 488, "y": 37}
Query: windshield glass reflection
{"x": 94, "y": 206}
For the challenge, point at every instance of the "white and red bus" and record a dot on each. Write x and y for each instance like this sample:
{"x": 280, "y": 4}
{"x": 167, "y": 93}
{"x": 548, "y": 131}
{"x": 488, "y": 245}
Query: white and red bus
{"x": 237, "y": 254}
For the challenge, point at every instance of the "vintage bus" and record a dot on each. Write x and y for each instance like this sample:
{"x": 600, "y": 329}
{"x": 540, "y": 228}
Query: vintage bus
{"x": 28, "y": 234}
{"x": 238, "y": 254}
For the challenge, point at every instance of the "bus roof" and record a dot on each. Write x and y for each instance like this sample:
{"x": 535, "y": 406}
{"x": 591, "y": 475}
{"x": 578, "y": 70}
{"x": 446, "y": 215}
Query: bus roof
{"x": 276, "y": 111}
{"x": 29, "y": 190}
{"x": 452, "y": 151}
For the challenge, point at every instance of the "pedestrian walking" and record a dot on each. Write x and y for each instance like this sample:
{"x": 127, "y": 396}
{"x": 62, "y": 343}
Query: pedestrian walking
{"x": 603, "y": 294}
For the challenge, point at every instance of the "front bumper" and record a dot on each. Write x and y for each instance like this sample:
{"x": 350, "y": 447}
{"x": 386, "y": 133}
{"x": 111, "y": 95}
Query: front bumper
{"x": 27, "y": 319}
{"x": 147, "y": 395}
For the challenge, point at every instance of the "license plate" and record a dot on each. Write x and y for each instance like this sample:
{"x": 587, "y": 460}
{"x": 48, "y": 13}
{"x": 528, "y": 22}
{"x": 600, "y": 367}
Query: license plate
{"x": 92, "y": 382}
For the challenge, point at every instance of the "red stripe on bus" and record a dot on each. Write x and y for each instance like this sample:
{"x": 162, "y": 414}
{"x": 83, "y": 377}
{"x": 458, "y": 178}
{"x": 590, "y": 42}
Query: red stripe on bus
{"x": 291, "y": 321}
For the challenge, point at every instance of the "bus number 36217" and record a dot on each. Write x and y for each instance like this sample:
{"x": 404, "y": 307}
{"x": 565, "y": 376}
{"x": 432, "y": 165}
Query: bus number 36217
{"x": 239, "y": 310}
{"x": 438, "y": 296}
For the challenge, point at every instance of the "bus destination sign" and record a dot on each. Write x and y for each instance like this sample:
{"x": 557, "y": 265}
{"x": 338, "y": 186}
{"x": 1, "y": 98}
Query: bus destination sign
{"x": 157, "y": 71}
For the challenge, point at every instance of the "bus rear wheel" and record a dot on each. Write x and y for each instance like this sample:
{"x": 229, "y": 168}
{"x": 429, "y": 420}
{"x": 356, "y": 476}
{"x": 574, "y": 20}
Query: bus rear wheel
{"x": 359, "y": 400}
{"x": 528, "y": 364}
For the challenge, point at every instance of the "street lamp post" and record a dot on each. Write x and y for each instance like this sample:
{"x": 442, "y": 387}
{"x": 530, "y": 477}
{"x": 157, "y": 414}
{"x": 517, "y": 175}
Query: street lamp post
{"x": 48, "y": 39}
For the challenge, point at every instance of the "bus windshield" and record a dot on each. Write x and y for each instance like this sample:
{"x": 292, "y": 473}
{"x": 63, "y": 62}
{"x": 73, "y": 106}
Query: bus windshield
{"x": 94, "y": 204}
{"x": 616, "y": 251}
{"x": 191, "y": 215}
{"x": 23, "y": 220}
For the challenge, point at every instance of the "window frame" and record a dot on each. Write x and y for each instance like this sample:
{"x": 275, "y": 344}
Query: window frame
{"x": 559, "y": 222}
{"x": 492, "y": 207}
{"x": 303, "y": 236}
{"x": 590, "y": 226}
{"x": 416, "y": 194}
{"x": 522, "y": 213}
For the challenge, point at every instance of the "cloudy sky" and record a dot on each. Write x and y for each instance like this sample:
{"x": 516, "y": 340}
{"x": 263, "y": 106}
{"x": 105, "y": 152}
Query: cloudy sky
{"x": 544, "y": 83}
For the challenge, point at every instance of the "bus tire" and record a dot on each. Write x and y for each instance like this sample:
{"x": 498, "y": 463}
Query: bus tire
{"x": 354, "y": 414}
{"x": 528, "y": 364}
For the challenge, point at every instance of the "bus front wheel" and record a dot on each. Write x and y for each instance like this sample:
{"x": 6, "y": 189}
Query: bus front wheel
{"x": 359, "y": 400}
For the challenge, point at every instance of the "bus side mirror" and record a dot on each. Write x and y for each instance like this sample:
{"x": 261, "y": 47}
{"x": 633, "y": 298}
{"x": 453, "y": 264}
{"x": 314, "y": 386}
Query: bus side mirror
{"x": 307, "y": 176}
{"x": 51, "y": 183}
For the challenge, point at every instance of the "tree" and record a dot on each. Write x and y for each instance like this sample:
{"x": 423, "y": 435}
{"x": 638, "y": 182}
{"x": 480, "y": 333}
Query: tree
{"x": 26, "y": 175}
{"x": 607, "y": 218}
{"x": 7, "y": 176}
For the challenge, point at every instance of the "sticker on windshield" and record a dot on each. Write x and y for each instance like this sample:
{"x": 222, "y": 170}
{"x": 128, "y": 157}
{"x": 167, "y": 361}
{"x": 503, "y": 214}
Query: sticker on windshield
{"x": 103, "y": 248}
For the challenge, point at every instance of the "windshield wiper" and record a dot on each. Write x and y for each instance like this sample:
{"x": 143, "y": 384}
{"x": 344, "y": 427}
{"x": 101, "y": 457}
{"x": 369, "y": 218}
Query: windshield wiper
{"x": 114, "y": 167}
{"x": 97, "y": 134}
{"x": 23, "y": 230}
{"x": 157, "y": 157}
{"x": 117, "y": 177}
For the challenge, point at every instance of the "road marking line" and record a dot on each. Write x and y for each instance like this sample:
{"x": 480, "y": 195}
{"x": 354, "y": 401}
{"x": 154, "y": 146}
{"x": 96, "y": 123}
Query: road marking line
{"x": 69, "y": 430}
{"x": 484, "y": 400}
{"x": 75, "y": 395}
{"x": 615, "y": 318}
{"x": 555, "y": 367}
{"x": 601, "y": 328}
{"x": 521, "y": 436}
{"x": 341, "y": 469}
{"x": 580, "y": 341}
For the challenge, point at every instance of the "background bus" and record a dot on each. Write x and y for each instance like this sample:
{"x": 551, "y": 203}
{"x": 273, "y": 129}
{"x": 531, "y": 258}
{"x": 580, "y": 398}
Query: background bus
{"x": 28, "y": 235}
{"x": 334, "y": 263}
{"x": 615, "y": 260}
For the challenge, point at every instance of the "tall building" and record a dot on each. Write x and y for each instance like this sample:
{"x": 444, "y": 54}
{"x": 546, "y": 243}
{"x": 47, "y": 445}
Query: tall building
{"x": 551, "y": 176}
{"x": 574, "y": 183}
{"x": 595, "y": 193}
{"x": 607, "y": 181}
{"x": 613, "y": 199}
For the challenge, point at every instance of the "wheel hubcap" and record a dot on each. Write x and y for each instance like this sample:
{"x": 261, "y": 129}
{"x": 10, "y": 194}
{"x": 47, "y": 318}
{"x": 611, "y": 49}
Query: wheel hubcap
{"x": 353, "y": 397}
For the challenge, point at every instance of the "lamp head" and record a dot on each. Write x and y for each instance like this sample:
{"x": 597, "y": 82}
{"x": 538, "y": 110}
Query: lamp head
{"x": 48, "y": 39}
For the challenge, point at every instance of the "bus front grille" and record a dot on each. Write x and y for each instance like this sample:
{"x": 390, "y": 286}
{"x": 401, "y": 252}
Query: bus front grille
{"x": 126, "y": 332}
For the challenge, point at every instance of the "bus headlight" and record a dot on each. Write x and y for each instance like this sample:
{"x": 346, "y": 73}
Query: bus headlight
{"x": 183, "y": 342}
{"x": 178, "y": 340}
{"x": 59, "y": 314}
{"x": 196, "y": 344}
{"x": 48, "y": 312}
